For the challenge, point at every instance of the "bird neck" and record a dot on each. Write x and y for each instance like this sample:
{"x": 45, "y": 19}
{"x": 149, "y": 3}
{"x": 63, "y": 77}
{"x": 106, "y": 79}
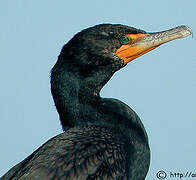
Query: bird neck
{"x": 76, "y": 93}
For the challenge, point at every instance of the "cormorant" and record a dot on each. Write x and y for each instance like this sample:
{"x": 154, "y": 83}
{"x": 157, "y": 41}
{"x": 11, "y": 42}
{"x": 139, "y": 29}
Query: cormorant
{"x": 104, "y": 138}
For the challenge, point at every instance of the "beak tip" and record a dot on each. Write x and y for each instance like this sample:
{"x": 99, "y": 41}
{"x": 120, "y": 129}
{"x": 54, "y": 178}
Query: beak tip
{"x": 186, "y": 31}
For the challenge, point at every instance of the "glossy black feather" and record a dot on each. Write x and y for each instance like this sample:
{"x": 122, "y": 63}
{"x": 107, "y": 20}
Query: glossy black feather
{"x": 91, "y": 152}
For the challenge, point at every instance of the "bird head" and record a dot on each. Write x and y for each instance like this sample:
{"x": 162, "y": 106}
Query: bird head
{"x": 115, "y": 45}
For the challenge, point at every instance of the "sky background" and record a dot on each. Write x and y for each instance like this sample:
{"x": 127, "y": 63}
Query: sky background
{"x": 160, "y": 86}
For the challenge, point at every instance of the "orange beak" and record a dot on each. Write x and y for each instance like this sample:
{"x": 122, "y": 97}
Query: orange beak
{"x": 140, "y": 44}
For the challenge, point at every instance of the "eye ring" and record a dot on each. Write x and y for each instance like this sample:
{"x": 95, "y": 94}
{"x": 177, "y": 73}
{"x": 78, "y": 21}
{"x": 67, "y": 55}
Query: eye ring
{"x": 124, "y": 40}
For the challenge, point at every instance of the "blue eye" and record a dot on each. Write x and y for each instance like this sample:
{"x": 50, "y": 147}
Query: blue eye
{"x": 124, "y": 40}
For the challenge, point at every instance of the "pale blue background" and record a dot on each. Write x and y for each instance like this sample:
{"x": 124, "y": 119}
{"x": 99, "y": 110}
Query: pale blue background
{"x": 160, "y": 86}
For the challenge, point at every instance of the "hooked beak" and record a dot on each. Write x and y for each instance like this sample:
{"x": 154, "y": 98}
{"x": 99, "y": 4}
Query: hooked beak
{"x": 142, "y": 43}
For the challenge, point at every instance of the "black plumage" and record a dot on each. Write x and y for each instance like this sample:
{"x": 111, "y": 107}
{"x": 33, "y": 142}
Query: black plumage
{"x": 104, "y": 138}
